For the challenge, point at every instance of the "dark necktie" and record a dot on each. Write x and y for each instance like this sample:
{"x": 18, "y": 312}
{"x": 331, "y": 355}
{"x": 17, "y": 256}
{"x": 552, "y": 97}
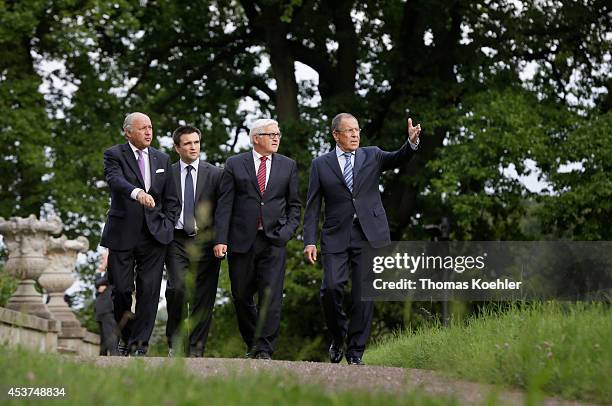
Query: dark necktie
{"x": 189, "y": 204}
{"x": 348, "y": 171}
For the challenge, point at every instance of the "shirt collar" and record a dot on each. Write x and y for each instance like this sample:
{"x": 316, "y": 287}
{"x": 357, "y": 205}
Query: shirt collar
{"x": 340, "y": 153}
{"x": 194, "y": 164}
{"x": 134, "y": 149}
{"x": 258, "y": 156}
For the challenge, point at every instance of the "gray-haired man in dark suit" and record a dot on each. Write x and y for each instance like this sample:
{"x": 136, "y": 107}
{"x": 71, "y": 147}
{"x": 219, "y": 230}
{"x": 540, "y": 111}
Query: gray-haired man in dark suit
{"x": 347, "y": 180}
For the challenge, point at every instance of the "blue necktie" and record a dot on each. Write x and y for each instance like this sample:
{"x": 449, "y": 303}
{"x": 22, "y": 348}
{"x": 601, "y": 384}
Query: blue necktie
{"x": 189, "y": 204}
{"x": 348, "y": 171}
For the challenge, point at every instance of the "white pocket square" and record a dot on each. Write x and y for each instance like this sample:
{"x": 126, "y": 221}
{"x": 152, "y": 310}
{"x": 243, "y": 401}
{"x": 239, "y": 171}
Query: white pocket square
{"x": 161, "y": 170}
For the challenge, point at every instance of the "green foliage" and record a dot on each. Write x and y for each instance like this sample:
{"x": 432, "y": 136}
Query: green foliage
{"x": 8, "y": 284}
{"x": 476, "y": 176}
{"x": 580, "y": 206}
{"x": 559, "y": 348}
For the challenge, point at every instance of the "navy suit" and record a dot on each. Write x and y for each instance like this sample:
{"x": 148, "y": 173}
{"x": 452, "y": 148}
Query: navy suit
{"x": 204, "y": 265}
{"x": 256, "y": 258}
{"x": 241, "y": 203}
{"x": 351, "y": 219}
{"x": 137, "y": 237}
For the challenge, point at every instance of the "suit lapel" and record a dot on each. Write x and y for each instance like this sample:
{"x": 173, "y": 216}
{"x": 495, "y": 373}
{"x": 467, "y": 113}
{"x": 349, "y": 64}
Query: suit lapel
{"x": 202, "y": 176}
{"x": 332, "y": 161}
{"x": 359, "y": 160}
{"x": 176, "y": 173}
{"x": 250, "y": 168}
{"x": 131, "y": 160}
{"x": 275, "y": 171}
{"x": 153, "y": 165}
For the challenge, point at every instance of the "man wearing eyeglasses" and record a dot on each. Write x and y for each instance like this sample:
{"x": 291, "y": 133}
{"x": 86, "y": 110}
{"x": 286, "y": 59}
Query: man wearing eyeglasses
{"x": 257, "y": 214}
{"x": 347, "y": 179}
{"x": 140, "y": 225}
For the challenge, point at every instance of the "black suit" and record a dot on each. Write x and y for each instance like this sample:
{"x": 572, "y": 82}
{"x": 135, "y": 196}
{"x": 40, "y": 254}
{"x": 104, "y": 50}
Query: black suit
{"x": 201, "y": 296}
{"x": 351, "y": 219}
{"x": 137, "y": 237}
{"x": 105, "y": 317}
{"x": 256, "y": 258}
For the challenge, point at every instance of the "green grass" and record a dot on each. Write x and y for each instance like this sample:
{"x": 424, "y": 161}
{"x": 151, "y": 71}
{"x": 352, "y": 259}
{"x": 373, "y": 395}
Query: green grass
{"x": 562, "y": 349}
{"x": 170, "y": 384}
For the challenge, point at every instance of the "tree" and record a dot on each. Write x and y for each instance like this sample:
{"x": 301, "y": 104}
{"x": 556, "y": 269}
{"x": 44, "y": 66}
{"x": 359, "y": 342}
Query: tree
{"x": 497, "y": 85}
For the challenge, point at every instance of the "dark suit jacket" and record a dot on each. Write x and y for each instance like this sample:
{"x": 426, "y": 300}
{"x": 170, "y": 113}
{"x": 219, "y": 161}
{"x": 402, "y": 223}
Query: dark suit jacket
{"x": 104, "y": 300}
{"x": 206, "y": 193}
{"x": 241, "y": 203}
{"x": 126, "y": 215}
{"x": 327, "y": 183}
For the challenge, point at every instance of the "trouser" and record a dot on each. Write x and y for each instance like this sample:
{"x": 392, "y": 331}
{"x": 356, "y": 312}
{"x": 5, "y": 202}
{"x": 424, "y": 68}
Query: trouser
{"x": 140, "y": 268}
{"x": 192, "y": 280}
{"x": 261, "y": 270}
{"x": 337, "y": 268}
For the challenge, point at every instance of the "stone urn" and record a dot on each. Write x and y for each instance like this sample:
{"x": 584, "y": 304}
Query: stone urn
{"x": 58, "y": 277}
{"x": 26, "y": 240}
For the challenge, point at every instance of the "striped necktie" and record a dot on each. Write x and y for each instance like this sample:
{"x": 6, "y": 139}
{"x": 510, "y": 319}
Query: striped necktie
{"x": 348, "y": 170}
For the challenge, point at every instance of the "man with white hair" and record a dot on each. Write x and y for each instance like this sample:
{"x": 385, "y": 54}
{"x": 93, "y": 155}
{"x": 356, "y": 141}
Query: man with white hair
{"x": 257, "y": 214}
{"x": 140, "y": 225}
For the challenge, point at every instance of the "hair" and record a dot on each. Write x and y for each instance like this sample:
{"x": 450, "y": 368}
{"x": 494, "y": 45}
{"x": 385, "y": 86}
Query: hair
{"x": 258, "y": 124}
{"x": 335, "y": 124}
{"x": 182, "y": 130}
{"x": 127, "y": 122}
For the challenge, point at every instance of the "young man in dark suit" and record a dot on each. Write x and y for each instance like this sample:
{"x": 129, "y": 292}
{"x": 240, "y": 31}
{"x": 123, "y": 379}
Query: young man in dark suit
{"x": 347, "y": 179}
{"x": 258, "y": 213}
{"x": 193, "y": 269}
{"x": 139, "y": 226}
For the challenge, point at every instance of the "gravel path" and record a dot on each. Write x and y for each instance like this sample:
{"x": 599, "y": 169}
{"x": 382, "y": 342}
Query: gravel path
{"x": 342, "y": 377}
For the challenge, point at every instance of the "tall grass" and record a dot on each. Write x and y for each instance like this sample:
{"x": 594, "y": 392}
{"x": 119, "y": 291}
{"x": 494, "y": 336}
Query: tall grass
{"x": 170, "y": 384}
{"x": 563, "y": 349}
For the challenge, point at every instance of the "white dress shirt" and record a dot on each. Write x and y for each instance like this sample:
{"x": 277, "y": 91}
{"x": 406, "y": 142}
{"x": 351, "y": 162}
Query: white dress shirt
{"x": 147, "y": 166}
{"x": 342, "y": 159}
{"x": 194, "y": 175}
{"x": 257, "y": 161}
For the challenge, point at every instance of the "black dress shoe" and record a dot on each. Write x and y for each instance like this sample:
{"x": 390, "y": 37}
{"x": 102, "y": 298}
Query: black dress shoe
{"x": 335, "y": 353}
{"x": 123, "y": 350}
{"x": 139, "y": 353}
{"x": 262, "y": 355}
{"x": 354, "y": 360}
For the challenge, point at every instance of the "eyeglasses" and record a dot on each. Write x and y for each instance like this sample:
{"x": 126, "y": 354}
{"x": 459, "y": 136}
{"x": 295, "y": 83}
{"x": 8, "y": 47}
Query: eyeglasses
{"x": 349, "y": 131}
{"x": 272, "y": 136}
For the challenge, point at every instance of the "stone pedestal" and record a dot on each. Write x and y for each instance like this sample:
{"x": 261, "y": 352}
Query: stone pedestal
{"x": 62, "y": 254}
{"x": 26, "y": 239}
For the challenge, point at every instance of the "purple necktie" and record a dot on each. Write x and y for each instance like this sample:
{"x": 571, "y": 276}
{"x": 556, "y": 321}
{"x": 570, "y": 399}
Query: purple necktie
{"x": 141, "y": 164}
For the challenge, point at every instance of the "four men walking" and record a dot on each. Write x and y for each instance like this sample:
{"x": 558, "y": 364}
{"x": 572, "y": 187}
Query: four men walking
{"x": 193, "y": 214}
